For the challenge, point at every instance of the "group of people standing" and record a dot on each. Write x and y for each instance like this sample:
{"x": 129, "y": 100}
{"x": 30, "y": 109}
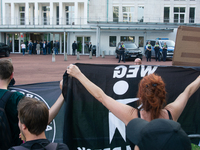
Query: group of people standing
{"x": 42, "y": 47}
{"x": 157, "y": 48}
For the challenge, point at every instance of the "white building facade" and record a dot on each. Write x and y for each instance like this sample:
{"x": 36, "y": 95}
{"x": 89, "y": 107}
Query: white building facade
{"x": 104, "y": 23}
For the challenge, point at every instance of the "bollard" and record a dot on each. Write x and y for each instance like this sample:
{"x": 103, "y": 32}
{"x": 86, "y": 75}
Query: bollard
{"x": 65, "y": 57}
{"x": 103, "y": 54}
{"x": 90, "y": 56}
{"x": 78, "y": 56}
{"x": 53, "y": 57}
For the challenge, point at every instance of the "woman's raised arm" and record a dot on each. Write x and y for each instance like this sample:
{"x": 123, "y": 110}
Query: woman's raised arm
{"x": 124, "y": 112}
{"x": 177, "y": 107}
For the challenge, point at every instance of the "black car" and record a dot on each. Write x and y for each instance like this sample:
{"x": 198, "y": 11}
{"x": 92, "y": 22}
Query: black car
{"x": 132, "y": 51}
{"x": 4, "y": 50}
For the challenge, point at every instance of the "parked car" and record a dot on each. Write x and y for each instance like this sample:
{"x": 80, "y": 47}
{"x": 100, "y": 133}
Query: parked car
{"x": 4, "y": 50}
{"x": 170, "y": 47}
{"x": 132, "y": 51}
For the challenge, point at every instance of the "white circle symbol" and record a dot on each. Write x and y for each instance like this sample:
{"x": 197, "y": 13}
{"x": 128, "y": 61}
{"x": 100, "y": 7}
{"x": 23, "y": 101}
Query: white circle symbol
{"x": 120, "y": 87}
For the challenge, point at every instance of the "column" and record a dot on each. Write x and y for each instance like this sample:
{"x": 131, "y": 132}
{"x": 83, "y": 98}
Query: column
{"x": 3, "y": 20}
{"x": 68, "y": 43}
{"x": 75, "y": 12}
{"x": 64, "y": 46}
{"x": 19, "y": 43}
{"x": 97, "y": 42}
{"x": 60, "y": 14}
{"x": 60, "y": 43}
{"x": 51, "y": 14}
{"x": 27, "y": 13}
{"x": 36, "y": 13}
{"x": 12, "y": 14}
{"x": 13, "y": 42}
{"x": 31, "y": 15}
{"x": 53, "y": 37}
{"x": 85, "y": 12}
{"x": 120, "y": 12}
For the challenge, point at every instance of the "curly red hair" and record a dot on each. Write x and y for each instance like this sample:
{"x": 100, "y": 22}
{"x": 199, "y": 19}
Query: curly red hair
{"x": 152, "y": 94}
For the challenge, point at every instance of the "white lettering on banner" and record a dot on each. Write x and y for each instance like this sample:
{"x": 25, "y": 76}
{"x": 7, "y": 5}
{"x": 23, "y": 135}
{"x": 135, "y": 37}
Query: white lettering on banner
{"x": 119, "y": 74}
{"x": 148, "y": 70}
{"x": 115, "y": 123}
{"x": 132, "y": 71}
{"x": 51, "y": 129}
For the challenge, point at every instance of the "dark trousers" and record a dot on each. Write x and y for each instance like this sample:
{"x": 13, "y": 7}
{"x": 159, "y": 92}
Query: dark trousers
{"x": 157, "y": 55}
{"x": 74, "y": 51}
{"x": 44, "y": 51}
{"x": 148, "y": 55}
{"x": 121, "y": 55}
{"x": 164, "y": 55}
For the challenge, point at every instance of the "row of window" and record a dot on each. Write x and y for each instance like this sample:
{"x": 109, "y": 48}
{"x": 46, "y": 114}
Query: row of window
{"x": 69, "y": 15}
{"x": 178, "y": 13}
{"x": 113, "y": 40}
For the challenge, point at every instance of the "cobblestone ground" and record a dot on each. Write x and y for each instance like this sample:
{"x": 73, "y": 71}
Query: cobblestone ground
{"x": 30, "y": 69}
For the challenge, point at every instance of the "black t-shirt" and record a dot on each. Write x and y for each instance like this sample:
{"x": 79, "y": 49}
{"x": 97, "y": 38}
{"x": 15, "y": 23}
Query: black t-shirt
{"x": 36, "y": 144}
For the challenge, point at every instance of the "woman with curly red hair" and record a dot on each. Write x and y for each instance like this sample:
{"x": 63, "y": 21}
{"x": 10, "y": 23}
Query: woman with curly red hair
{"x": 152, "y": 95}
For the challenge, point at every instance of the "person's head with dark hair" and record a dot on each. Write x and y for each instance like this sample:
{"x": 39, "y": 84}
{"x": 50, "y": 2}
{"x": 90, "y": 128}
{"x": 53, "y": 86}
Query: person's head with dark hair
{"x": 158, "y": 134}
{"x": 6, "y": 70}
{"x": 152, "y": 94}
{"x": 33, "y": 117}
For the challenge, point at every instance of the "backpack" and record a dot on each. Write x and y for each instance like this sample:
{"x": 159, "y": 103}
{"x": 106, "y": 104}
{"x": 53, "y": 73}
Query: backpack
{"x": 50, "y": 146}
{"x": 30, "y": 46}
{"x": 5, "y": 132}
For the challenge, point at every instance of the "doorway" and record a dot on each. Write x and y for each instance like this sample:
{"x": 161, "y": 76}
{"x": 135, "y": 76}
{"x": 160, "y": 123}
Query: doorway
{"x": 83, "y": 44}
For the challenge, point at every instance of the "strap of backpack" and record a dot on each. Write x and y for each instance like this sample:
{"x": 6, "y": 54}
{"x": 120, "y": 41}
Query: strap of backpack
{"x": 19, "y": 148}
{"x": 50, "y": 146}
{"x": 5, "y": 98}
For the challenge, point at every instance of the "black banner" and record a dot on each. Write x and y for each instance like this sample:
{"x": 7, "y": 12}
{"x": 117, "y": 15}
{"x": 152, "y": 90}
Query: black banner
{"x": 89, "y": 125}
{"x": 48, "y": 93}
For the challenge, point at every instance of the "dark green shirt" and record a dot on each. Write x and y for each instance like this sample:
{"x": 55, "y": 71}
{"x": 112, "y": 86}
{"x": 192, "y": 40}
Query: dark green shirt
{"x": 12, "y": 115}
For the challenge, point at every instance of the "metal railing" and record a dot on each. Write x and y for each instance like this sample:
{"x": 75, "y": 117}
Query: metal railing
{"x": 47, "y": 21}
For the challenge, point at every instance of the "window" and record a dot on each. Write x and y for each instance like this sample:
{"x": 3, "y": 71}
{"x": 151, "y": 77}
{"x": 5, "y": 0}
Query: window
{"x": 46, "y": 14}
{"x": 127, "y": 38}
{"x": 69, "y": 10}
{"x": 192, "y": 15}
{"x": 166, "y": 14}
{"x": 140, "y": 14}
{"x": 127, "y": 14}
{"x": 22, "y": 15}
{"x": 112, "y": 41}
{"x": 141, "y": 41}
{"x": 179, "y": 14}
{"x": 115, "y": 13}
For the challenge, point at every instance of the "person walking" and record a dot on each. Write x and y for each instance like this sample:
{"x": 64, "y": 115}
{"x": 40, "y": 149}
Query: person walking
{"x": 164, "y": 51}
{"x": 38, "y": 48}
{"x": 23, "y": 47}
{"x": 148, "y": 52}
{"x": 157, "y": 51}
{"x": 121, "y": 52}
{"x": 74, "y": 47}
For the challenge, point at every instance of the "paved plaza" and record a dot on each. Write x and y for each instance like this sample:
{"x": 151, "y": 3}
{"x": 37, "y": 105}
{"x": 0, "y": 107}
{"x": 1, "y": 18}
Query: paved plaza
{"x": 30, "y": 69}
